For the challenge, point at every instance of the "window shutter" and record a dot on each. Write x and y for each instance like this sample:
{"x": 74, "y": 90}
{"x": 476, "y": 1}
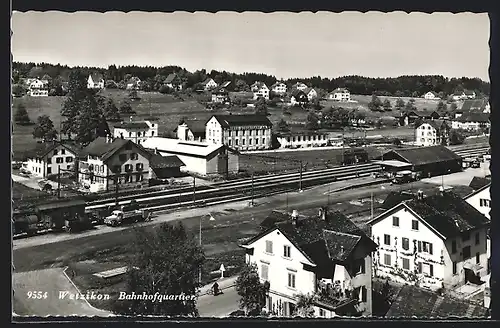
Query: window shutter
{"x": 419, "y": 267}
{"x": 419, "y": 246}
{"x": 363, "y": 266}
{"x": 364, "y": 294}
{"x": 431, "y": 270}
{"x": 430, "y": 248}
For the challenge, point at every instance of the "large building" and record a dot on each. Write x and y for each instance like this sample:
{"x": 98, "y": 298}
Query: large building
{"x": 435, "y": 241}
{"x": 260, "y": 90}
{"x": 480, "y": 199}
{"x": 340, "y": 94}
{"x": 279, "y": 88}
{"x": 52, "y": 158}
{"x": 197, "y": 157}
{"x": 38, "y": 88}
{"x": 432, "y": 133}
{"x": 472, "y": 121}
{"x": 322, "y": 254}
{"x": 304, "y": 139}
{"x": 242, "y": 132}
{"x": 136, "y": 131}
{"x": 191, "y": 130}
{"x": 110, "y": 162}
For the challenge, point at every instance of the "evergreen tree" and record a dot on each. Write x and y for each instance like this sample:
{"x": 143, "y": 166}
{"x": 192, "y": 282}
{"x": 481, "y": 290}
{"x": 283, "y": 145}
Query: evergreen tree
{"x": 44, "y": 129}
{"x": 21, "y": 116}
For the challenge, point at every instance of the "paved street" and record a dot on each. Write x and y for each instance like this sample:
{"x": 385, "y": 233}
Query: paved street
{"x": 52, "y": 282}
{"x": 218, "y": 306}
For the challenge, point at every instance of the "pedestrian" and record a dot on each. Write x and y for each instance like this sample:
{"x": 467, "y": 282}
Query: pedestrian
{"x": 216, "y": 288}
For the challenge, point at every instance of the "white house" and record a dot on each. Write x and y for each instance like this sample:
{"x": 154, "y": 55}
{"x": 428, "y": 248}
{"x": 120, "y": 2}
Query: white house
{"x": 340, "y": 94}
{"x": 133, "y": 83}
{"x": 220, "y": 95}
{"x": 279, "y": 88}
{"x": 324, "y": 255}
{"x": 299, "y": 86}
{"x": 305, "y": 139}
{"x": 198, "y": 157}
{"x": 136, "y": 131}
{"x": 459, "y": 95}
{"x": 480, "y": 199}
{"x": 95, "y": 81}
{"x": 298, "y": 97}
{"x": 173, "y": 81}
{"x": 472, "y": 121}
{"x": 242, "y": 132}
{"x": 435, "y": 241}
{"x": 432, "y": 133}
{"x": 52, "y": 158}
{"x": 38, "y": 88}
{"x": 259, "y": 90}
{"x": 431, "y": 95}
{"x": 209, "y": 84}
{"x": 311, "y": 94}
{"x": 110, "y": 162}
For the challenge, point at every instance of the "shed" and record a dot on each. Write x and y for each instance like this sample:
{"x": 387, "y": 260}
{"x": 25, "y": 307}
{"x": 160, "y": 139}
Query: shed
{"x": 164, "y": 167}
{"x": 393, "y": 166}
{"x": 433, "y": 160}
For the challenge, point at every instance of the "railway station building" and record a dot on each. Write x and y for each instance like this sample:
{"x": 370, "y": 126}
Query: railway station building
{"x": 198, "y": 157}
{"x": 429, "y": 161}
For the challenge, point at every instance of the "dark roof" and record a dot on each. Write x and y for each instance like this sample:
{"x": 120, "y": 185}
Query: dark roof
{"x": 243, "y": 120}
{"x": 321, "y": 241}
{"x": 412, "y": 301}
{"x": 425, "y": 155}
{"x": 258, "y": 85}
{"x": 394, "y": 198}
{"x": 196, "y": 126}
{"x": 474, "y": 117}
{"x": 160, "y": 162}
{"x": 447, "y": 213}
{"x": 44, "y": 148}
{"x": 61, "y": 204}
{"x": 208, "y": 79}
{"x": 104, "y": 149}
{"x": 132, "y": 125}
{"x": 340, "y": 90}
{"x": 436, "y": 124}
{"x": 469, "y": 92}
{"x": 170, "y": 78}
{"x": 422, "y": 113}
{"x": 298, "y": 93}
{"x": 225, "y": 84}
{"x": 474, "y": 105}
{"x": 479, "y": 182}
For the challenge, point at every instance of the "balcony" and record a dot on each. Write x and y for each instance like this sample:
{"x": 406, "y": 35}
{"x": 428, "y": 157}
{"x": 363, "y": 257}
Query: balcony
{"x": 335, "y": 295}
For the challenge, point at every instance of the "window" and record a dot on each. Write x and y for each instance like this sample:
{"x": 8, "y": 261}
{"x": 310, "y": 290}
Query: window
{"x": 139, "y": 177}
{"x": 63, "y": 151}
{"x": 286, "y": 251}
{"x": 406, "y": 264}
{"x": 387, "y": 259}
{"x": 477, "y": 240}
{"x": 236, "y": 142}
{"x": 139, "y": 166}
{"x": 395, "y": 221}
{"x": 256, "y": 141}
{"x": 243, "y": 142}
{"x": 414, "y": 225}
{"x": 69, "y": 159}
{"x": 291, "y": 280}
{"x": 263, "y": 141}
{"x": 128, "y": 178}
{"x": 426, "y": 247}
{"x": 455, "y": 268}
{"x": 122, "y": 157}
{"x": 68, "y": 167}
{"x": 59, "y": 160}
{"x": 453, "y": 247}
{"x": 466, "y": 236}
{"x": 406, "y": 243}
{"x": 264, "y": 271}
{"x": 128, "y": 167}
{"x": 466, "y": 253}
{"x": 387, "y": 240}
{"x": 130, "y": 134}
{"x": 134, "y": 156}
{"x": 322, "y": 313}
{"x": 269, "y": 246}
{"x": 419, "y": 267}
{"x": 249, "y": 142}
{"x": 152, "y": 133}
{"x": 49, "y": 160}
{"x": 360, "y": 267}
{"x": 55, "y": 152}
{"x": 484, "y": 202}
{"x": 478, "y": 258}
{"x": 49, "y": 170}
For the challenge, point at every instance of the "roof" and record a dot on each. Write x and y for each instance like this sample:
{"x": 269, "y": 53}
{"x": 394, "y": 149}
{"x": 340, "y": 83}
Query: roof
{"x": 258, "y": 85}
{"x": 479, "y": 182}
{"x": 297, "y": 92}
{"x": 422, "y": 113}
{"x": 446, "y": 213}
{"x": 340, "y": 90}
{"x": 171, "y": 77}
{"x": 197, "y": 127}
{"x": 433, "y": 93}
{"x": 425, "y": 155}
{"x": 436, "y": 124}
{"x": 412, "y": 301}
{"x": 307, "y": 90}
{"x": 242, "y": 120}
{"x": 394, "y": 198}
{"x": 207, "y": 80}
{"x": 44, "y": 148}
{"x": 321, "y": 241}
{"x": 474, "y": 117}
{"x": 277, "y": 83}
{"x": 225, "y": 84}
{"x": 102, "y": 148}
{"x": 132, "y": 125}
{"x": 469, "y": 92}
{"x": 96, "y": 77}
{"x": 458, "y": 93}
{"x": 474, "y": 104}
{"x": 478, "y": 190}
{"x": 393, "y": 163}
{"x": 181, "y": 147}
{"x": 160, "y": 162}
{"x": 301, "y": 133}
{"x": 61, "y": 204}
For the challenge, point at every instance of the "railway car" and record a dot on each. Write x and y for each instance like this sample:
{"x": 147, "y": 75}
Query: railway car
{"x": 353, "y": 156}
{"x": 25, "y": 222}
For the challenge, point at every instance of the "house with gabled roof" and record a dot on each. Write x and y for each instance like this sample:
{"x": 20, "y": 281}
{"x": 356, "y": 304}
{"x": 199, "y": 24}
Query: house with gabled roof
{"x": 438, "y": 241}
{"x": 173, "y": 81}
{"x": 340, "y": 94}
{"x": 95, "y": 81}
{"x": 299, "y": 86}
{"x": 242, "y": 132}
{"x": 165, "y": 167}
{"x": 110, "y": 162}
{"x": 209, "y": 84}
{"x": 133, "y": 83}
{"x": 50, "y": 158}
{"x": 432, "y": 133}
{"x": 136, "y": 131}
{"x": 431, "y": 95}
{"x": 279, "y": 88}
{"x": 322, "y": 254}
{"x": 311, "y": 93}
{"x": 472, "y": 121}
{"x": 191, "y": 130}
{"x": 260, "y": 90}
{"x": 298, "y": 97}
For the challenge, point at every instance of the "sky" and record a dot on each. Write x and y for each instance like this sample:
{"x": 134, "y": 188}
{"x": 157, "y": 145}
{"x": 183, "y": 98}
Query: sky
{"x": 283, "y": 44}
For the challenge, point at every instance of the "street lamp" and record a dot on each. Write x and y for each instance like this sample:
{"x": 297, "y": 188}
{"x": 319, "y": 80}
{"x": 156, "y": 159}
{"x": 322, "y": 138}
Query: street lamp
{"x": 201, "y": 219}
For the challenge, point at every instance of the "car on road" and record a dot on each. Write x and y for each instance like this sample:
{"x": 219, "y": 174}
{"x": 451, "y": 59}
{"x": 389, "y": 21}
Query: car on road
{"x": 405, "y": 177}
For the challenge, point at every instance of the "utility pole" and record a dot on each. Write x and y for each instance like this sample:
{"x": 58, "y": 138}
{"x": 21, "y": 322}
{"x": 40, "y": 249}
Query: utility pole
{"x": 252, "y": 190}
{"x": 329, "y": 188}
{"x": 300, "y": 178}
{"x": 116, "y": 192}
{"x": 287, "y": 201}
{"x": 199, "y": 270}
{"x": 58, "y": 181}
{"x": 371, "y": 205}
{"x": 194, "y": 190}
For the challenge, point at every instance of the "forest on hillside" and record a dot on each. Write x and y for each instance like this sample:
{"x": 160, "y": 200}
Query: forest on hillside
{"x": 152, "y": 79}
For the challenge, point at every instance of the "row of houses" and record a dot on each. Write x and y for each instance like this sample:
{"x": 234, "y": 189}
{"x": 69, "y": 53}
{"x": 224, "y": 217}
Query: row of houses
{"x": 437, "y": 242}
{"x": 458, "y": 95}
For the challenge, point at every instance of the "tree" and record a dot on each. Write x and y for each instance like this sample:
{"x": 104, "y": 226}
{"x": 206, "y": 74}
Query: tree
{"x": 305, "y": 305}
{"x": 21, "y": 116}
{"x": 409, "y": 105}
{"x": 260, "y": 106}
{"x": 312, "y": 121}
{"x": 456, "y": 138}
{"x": 18, "y": 90}
{"x": 133, "y": 95}
{"x": 397, "y": 142}
{"x": 400, "y": 104}
{"x": 440, "y": 105}
{"x": 283, "y": 126}
{"x": 44, "y": 129}
{"x": 453, "y": 107}
{"x": 375, "y": 103}
{"x": 387, "y": 105}
{"x": 316, "y": 104}
{"x": 251, "y": 291}
{"x": 110, "y": 110}
{"x": 126, "y": 108}
{"x": 164, "y": 260}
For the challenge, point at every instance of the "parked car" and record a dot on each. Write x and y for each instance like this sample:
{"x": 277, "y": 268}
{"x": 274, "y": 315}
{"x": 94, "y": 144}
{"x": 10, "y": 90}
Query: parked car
{"x": 405, "y": 177}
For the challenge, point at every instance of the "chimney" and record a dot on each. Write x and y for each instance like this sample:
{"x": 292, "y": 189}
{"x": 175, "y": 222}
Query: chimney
{"x": 295, "y": 217}
{"x": 420, "y": 194}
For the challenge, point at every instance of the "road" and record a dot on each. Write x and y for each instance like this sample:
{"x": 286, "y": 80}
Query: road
{"x": 52, "y": 282}
{"x": 218, "y": 306}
